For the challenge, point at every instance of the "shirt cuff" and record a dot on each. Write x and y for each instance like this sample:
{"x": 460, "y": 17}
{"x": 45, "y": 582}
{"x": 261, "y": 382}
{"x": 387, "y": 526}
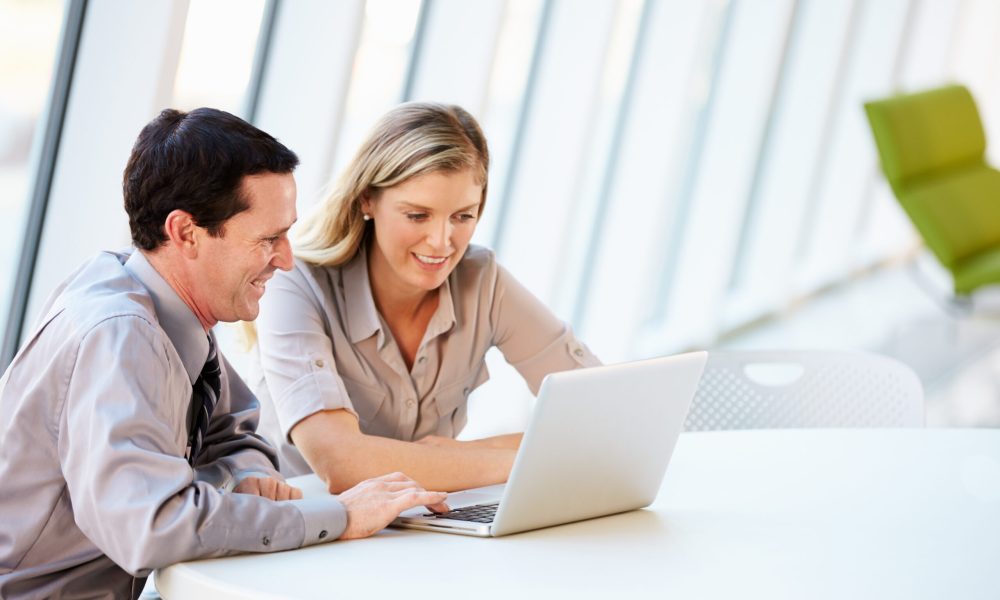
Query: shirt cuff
{"x": 325, "y": 519}
{"x": 564, "y": 354}
{"x": 315, "y": 392}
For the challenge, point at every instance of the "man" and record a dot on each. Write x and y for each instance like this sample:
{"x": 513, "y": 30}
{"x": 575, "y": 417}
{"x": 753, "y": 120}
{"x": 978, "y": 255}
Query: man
{"x": 126, "y": 441}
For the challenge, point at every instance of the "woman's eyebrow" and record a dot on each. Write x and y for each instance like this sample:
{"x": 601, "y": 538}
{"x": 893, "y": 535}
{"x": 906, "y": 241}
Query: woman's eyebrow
{"x": 428, "y": 209}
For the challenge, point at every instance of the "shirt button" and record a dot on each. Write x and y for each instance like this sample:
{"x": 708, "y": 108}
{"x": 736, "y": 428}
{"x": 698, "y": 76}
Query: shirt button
{"x": 319, "y": 363}
{"x": 578, "y": 352}
{"x": 322, "y": 534}
{"x": 409, "y": 403}
{"x": 421, "y": 359}
{"x": 266, "y": 541}
{"x": 465, "y": 392}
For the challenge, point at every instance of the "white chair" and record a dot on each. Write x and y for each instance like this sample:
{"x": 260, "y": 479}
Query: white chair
{"x": 805, "y": 388}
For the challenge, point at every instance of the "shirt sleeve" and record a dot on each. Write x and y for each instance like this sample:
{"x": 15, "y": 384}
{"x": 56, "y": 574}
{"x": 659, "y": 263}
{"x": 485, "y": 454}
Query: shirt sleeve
{"x": 296, "y": 353}
{"x": 532, "y": 339}
{"x": 133, "y": 493}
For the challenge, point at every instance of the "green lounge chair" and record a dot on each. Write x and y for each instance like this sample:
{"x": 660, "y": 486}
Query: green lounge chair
{"x": 932, "y": 148}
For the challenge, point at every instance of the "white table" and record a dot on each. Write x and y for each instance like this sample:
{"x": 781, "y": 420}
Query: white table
{"x": 766, "y": 514}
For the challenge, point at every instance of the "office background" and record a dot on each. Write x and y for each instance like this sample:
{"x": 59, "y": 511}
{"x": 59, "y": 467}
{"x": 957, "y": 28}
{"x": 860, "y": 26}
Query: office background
{"x": 667, "y": 174}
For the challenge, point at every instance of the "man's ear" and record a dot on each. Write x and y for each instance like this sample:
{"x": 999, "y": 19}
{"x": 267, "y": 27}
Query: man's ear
{"x": 182, "y": 232}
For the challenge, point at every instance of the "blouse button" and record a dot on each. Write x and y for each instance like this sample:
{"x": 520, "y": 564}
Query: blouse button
{"x": 266, "y": 541}
{"x": 319, "y": 363}
{"x": 578, "y": 352}
{"x": 323, "y": 534}
{"x": 421, "y": 359}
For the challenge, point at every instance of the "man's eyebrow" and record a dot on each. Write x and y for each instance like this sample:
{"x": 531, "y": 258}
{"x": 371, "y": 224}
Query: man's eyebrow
{"x": 275, "y": 233}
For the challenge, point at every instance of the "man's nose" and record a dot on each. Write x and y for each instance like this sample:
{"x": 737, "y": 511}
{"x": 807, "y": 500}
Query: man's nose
{"x": 283, "y": 258}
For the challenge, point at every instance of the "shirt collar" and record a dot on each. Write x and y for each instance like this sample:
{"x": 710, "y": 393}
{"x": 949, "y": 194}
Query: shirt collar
{"x": 362, "y": 315}
{"x": 444, "y": 316}
{"x": 176, "y": 318}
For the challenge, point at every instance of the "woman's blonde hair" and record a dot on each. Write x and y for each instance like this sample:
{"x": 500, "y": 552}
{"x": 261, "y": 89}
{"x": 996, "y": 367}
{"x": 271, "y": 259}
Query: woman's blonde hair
{"x": 410, "y": 140}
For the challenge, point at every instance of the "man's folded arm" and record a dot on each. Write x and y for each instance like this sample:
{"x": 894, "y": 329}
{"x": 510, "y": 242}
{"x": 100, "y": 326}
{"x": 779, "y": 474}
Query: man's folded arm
{"x": 233, "y": 449}
{"x": 134, "y": 494}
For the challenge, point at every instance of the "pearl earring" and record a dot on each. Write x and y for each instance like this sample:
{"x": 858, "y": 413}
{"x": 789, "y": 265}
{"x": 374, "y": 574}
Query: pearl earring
{"x": 367, "y": 217}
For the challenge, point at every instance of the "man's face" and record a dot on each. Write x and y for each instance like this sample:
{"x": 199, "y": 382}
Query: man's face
{"x": 231, "y": 270}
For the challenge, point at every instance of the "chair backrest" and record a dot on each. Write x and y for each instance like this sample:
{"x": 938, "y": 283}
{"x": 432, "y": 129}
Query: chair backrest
{"x": 805, "y": 388}
{"x": 923, "y": 134}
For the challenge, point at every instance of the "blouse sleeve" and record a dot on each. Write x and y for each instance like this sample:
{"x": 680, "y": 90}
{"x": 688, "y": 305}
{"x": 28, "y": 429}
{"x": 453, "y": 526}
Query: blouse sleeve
{"x": 533, "y": 340}
{"x": 296, "y": 353}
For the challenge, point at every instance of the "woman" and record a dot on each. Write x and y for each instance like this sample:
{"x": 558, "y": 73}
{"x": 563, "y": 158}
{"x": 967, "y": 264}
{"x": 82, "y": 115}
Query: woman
{"x": 371, "y": 345}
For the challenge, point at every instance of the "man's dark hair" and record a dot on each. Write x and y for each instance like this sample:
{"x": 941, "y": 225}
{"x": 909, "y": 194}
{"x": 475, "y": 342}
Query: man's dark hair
{"x": 195, "y": 162}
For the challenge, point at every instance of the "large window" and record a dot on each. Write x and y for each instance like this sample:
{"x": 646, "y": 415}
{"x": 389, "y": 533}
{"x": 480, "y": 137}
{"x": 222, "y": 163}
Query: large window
{"x": 216, "y": 58}
{"x": 664, "y": 171}
{"x": 29, "y": 41}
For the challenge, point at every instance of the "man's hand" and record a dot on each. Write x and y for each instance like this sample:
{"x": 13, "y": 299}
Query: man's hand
{"x": 374, "y": 503}
{"x": 268, "y": 487}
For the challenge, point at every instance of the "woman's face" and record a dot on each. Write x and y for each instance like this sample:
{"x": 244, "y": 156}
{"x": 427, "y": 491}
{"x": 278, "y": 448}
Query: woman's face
{"x": 422, "y": 228}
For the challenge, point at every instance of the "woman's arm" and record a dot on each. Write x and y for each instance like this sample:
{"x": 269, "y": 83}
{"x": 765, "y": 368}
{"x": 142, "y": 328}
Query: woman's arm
{"x": 509, "y": 441}
{"x": 532, "y": 339}
{"x": 342, "y": 456}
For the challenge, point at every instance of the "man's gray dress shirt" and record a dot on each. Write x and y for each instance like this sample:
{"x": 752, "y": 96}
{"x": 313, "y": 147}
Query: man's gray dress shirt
{"x": 94, "y": 420}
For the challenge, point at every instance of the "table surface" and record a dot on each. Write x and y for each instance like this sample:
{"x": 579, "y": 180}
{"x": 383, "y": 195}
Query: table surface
{"x": 875, "y": 513}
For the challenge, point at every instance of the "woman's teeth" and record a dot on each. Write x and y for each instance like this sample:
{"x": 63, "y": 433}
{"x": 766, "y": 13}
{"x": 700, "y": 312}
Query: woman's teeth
{"x": 427, "y": 260}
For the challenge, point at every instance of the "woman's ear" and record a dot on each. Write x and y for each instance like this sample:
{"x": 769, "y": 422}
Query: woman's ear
{"x": 366, "y": 203}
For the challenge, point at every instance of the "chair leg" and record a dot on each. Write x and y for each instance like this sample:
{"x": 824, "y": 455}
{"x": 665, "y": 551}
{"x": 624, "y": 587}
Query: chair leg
{"x": 961, "y": 304}
{"x": 954, "y": 305}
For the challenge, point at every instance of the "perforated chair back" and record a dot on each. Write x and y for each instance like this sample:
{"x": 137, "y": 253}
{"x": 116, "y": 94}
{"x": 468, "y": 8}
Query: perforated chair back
{"x": 805, "y": 388}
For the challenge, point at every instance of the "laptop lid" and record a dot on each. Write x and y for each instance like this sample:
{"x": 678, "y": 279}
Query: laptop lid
{"x": 599, "y": 442}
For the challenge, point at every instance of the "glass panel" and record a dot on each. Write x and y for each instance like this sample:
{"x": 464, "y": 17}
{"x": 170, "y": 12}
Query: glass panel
{"x": 220, "y": 40}
{"x": 674, "y": 63}
{"x": 761, "y": 279}
{"x": 29, "y": 40}
{"x": 379, "y": 70}
{"x": 508, "y": 79}
{"x": 830, "y": 231}
{"x": 713, "y": 211}
{"x": 586, "y": 216}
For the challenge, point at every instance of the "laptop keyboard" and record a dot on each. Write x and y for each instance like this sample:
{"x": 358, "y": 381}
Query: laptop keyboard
{"x": 480, "y": 513}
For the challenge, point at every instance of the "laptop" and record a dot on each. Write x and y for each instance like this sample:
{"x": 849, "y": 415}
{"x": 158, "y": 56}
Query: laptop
{"x": 598, "y": 444}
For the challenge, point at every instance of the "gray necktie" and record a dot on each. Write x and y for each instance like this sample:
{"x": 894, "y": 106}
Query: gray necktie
{"x": 204, "y": 396}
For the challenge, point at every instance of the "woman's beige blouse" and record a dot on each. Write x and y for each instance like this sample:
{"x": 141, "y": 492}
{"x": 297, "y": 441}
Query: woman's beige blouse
{"x": 324, "y": 346}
